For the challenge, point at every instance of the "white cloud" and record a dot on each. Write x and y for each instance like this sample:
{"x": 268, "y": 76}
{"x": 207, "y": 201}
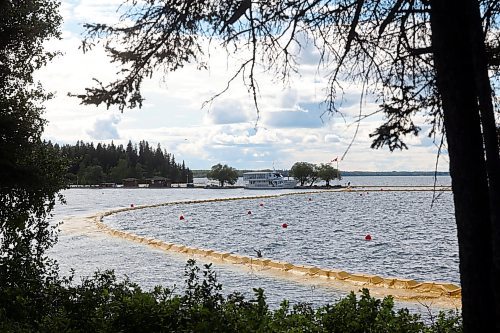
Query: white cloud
{"x": 228, "y": 111}
{"x": 309, "y": 139}
{"x": 292, "y": 119}
{"x": 289, "y": 99}
{"x": 330, "y": 138}
{"x": 105, "y": 128}
{"x": 96, "y": 11}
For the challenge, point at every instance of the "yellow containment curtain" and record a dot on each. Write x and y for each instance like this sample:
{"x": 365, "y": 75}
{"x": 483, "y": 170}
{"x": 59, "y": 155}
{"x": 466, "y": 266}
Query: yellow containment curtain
{"x": 406, "y": 289}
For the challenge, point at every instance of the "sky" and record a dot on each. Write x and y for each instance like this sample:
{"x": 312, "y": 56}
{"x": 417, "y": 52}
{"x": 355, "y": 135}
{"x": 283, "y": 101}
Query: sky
{"x": 290, "y": 128}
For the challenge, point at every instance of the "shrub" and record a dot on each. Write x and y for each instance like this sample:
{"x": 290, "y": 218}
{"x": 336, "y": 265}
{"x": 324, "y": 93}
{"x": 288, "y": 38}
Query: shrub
{"x": 103, "y": 304}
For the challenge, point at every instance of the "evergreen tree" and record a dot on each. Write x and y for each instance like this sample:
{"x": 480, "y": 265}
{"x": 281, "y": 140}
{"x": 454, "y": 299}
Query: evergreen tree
{"x": 91, "y": 166}
{"x": 131, "y": 155}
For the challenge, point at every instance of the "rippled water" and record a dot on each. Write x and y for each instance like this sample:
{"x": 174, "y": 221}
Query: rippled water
{"x": 410, "y": 239}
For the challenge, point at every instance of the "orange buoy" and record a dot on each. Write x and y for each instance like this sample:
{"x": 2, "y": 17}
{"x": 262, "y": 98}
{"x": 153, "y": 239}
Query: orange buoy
{"x": 181, "y": 217}
{"x": 284, "y": 225}
{"x": 131, "y": 205}
{"x": 368, "y": 237}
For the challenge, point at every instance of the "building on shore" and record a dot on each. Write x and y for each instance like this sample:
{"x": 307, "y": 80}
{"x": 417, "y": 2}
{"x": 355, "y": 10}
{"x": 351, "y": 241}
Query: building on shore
{"x": 158, "y": 182}
{"x": 130, "y": 182}
{"x": 107, "y": 185}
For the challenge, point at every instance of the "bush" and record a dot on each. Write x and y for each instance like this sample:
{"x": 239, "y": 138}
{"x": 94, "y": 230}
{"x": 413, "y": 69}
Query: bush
{"x": 103, "y": 304}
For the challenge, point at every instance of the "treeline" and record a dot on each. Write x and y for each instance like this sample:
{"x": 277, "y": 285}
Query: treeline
{"x": 91, "y": 164}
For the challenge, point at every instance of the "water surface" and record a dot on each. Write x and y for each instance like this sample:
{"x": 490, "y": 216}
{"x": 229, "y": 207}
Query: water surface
{"x": 410, "y": 239}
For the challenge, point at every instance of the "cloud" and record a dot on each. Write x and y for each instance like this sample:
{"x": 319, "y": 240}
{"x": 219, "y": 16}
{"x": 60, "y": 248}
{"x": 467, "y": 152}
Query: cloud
{"x": 105, "y": 128}
{"x": 295, "y": 109}
{"x": 97, "y": 11}
{"x": 310, "y": 139}
{"x": 229, "y": 111}
{"x": 292, "y": 119}
{"x": 308, "y": 53}
{"x": 330, "y": 138}
{"x": 289, "y": 99}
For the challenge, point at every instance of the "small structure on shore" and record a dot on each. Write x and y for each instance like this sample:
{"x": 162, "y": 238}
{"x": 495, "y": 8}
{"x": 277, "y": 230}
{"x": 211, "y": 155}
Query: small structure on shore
{"x": 107, "y": 185}
{"x": 158, "y": 182}
{"x": 130, "y": 182}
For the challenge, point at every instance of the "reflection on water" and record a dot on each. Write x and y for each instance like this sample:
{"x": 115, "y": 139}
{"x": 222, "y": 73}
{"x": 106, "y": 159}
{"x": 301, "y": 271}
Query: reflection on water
{"x": 410, "y": 239}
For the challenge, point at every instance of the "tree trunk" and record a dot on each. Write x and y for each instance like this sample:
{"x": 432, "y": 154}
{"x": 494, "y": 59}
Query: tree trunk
{"x": 491, "y": 147}
{"x": 453, "y": 30}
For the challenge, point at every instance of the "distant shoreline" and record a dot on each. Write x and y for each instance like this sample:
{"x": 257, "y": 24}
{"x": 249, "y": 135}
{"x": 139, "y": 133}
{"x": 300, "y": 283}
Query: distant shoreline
{"x": 394, "y": 173}
{"x": 344, "y": 175}
{"x": 202, "y": 173}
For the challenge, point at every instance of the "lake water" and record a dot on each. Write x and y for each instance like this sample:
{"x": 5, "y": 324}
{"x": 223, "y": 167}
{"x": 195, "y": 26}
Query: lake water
{"x": 410, "y": 239}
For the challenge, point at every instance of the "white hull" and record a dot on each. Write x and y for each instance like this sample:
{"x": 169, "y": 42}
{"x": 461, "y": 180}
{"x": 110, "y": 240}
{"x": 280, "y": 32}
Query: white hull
{"x": 266, "y": 181}
{"x": 264, "y": 187}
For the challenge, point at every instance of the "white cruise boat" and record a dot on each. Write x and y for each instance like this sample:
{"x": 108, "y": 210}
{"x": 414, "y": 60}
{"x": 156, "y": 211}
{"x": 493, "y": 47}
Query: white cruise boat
{"x": 262, "y": 180}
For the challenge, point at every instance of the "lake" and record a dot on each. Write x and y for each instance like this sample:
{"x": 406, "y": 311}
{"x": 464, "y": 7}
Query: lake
{"x": 410, "y": 239}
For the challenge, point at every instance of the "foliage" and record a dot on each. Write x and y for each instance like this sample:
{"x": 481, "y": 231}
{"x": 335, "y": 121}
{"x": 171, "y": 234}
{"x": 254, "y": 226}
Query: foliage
{"x": 302, "y": 172}
{"x": 31, "y": 171}
{"x": 103, "y": 304}
{"x": 90, "y": 165}
{"x": 223, "y": 173}
{"x": 307, "y": 172}
{"x": 327, "y": 173}
{"x": 314, "y": 174}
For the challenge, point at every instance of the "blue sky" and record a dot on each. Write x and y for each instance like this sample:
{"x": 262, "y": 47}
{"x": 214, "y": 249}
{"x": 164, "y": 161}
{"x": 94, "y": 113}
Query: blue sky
{"x": 290, "y": 127}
